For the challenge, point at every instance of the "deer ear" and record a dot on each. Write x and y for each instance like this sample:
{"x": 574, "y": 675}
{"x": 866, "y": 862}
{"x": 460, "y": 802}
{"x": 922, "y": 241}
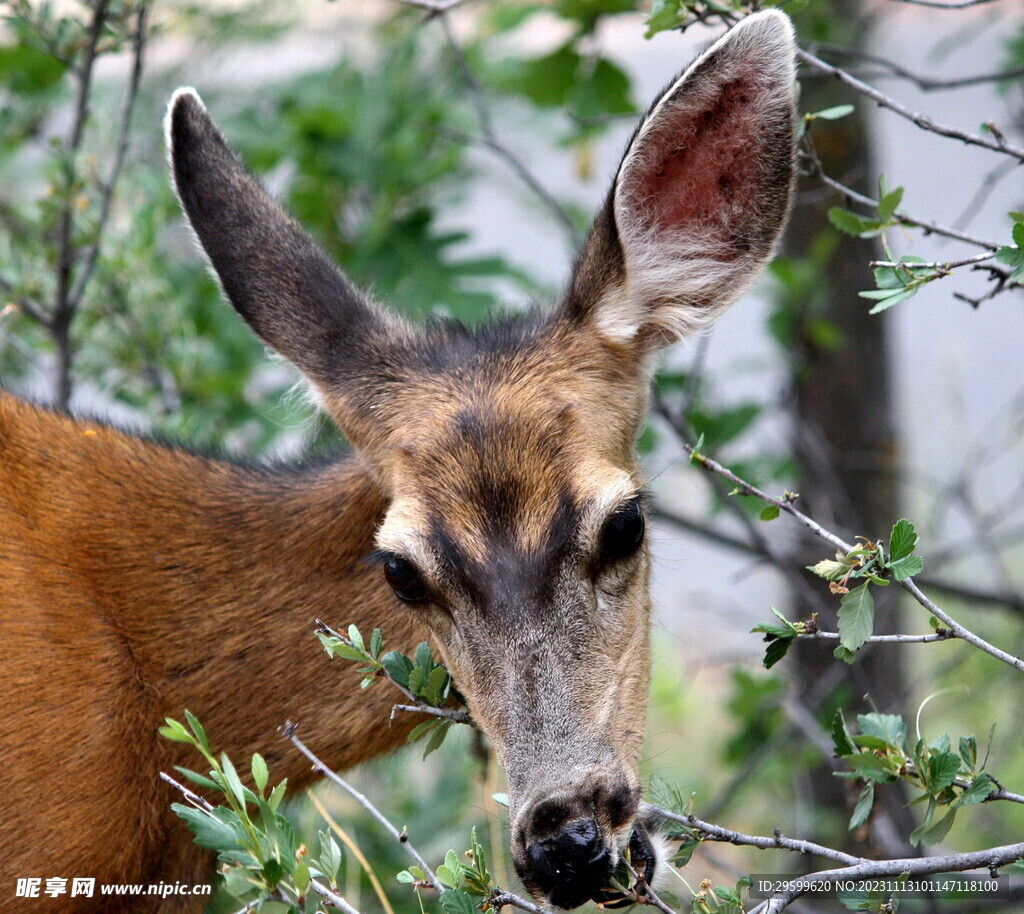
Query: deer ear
{"x": 701, "y": 195}
{"x": 276, "y": 277}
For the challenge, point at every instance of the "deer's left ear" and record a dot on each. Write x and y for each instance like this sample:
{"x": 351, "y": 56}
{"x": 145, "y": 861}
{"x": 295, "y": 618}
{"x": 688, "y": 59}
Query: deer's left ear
{"x": 701, "y": 195}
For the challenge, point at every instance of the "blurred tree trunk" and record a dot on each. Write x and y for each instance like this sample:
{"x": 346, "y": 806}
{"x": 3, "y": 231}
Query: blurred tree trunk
{"x": 843, "y": 434}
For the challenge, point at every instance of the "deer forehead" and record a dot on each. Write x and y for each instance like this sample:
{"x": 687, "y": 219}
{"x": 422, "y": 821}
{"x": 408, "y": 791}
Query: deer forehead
{"x": 458, "y": 505}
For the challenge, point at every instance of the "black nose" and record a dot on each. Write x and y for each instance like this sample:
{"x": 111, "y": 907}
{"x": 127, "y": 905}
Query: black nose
{"x": 570, "y": 865}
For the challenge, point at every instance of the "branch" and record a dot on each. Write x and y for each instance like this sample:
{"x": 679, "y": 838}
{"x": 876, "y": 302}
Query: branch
{"x": 455, "y": 715}
{"x": 489, "y": 137}
{"x": 63, "y": 308}
{"x": 942, "y": 635}
{"x": 786, "y": 504}
{"x": 401, "y": 837}
{"x": 924, "y": 83}
{"x": 710, "y": 832}
{"x": 938, "y": 5}
{"x": 107, "y": 191}
{"x": 925, "y": 123}
{"x": 815, "y": 170}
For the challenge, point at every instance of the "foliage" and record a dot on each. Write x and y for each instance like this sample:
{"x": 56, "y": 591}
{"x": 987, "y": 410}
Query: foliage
{"x": 421, "y": 678}
{"x": 947, "y": 780}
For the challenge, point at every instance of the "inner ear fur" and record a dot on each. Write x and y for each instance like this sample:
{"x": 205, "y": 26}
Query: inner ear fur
{"x": 701, "y": 195}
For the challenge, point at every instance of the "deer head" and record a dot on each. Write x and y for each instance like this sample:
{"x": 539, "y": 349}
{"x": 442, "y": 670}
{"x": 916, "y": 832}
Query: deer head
{"x": 515, "y": 527}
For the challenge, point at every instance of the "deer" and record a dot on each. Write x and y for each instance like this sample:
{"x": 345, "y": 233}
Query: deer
{"x": 493, "y": 504}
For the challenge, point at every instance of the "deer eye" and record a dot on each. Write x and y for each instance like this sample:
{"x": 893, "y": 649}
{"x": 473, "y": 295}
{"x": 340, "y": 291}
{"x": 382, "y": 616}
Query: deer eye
{"x": 404, "y": 579}
{"x": 623, "y": 533}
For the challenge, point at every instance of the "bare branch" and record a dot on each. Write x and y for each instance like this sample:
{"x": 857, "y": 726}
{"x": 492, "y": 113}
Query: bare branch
{"x": 925, "y": 123}
{"x": 63, "y": 308}
{"x": 710, "y": 832}
{"x": 289, "y": 734}
{"x": 942, "y": 635}
{"x": 107, "y": 191}
{"x": 489, "y": 137}
{"x": 924, "y": 83}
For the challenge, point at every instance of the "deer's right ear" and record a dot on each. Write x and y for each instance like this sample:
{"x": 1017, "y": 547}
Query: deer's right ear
{"x": 276, "y": 277}
{"x": 701, "y": 195}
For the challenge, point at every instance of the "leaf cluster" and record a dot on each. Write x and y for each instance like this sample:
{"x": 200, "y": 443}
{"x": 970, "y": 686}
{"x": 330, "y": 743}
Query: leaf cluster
{"x": 420, "y": 677}
{"x": 948, "y": 780}
{"x": 259, "y": 855}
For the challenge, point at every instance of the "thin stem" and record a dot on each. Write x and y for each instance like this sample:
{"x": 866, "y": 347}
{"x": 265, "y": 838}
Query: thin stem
{"x": 786, "y": 504}
{"x": 120, "y": 150}
{"x": 63, "y": 309}
{"x": 937, "y": 265}
{"x": 400, "y": 837}
{"x": 944, "y": 635}
{"x": 921, "y": 120}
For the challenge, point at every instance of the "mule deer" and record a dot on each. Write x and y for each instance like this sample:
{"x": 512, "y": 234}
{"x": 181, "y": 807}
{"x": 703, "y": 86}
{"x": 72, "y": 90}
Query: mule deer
{"x": 494, "y": 480}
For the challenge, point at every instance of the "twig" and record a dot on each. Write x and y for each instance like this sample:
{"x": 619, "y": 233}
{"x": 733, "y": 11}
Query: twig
{"x": 924, "y": 83}
{"x": 289, "y": 734}
{"x": 711, "y": 832}
{"x": 501, "y": 898}
{"x": 921, "y": 120}
{"x": 63, "y": 309}
{"x": 107, "y": 192}
{"x": 943, "y": 635}
{"x": 937, "y": 265}
{"x": 489, "y": 137}
{"x": 786, "y": 504}
{"x": 453, "y": 714}
{"x": 434, "y": 7}
{"x": 25, "y": 305}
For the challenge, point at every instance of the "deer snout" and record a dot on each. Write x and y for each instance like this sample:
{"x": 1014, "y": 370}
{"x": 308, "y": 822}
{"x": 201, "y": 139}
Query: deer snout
{"x": 568, "y": 845}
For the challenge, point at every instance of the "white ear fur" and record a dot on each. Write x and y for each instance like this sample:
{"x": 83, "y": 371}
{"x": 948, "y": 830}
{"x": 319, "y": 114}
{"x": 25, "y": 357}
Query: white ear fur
{"x": 680, "y": 276}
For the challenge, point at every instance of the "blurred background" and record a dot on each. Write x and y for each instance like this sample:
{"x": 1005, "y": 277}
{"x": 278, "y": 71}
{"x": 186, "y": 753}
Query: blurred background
{"x": 451, "y": 164}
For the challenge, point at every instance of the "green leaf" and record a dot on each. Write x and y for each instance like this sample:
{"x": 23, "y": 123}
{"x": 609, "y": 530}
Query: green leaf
{"x": 886, "y": 299}
{"x": 176, "y": 732}
{"x": 330, "y": 856}
{"x": 215, "y": 831}
{"x": 457, "y": 902}
{"x": 888, "y": 204}
{"x": 197, "y": 729}
{"x": 664, "y": 15}
{"x": 356, "y": 638}
{"x": 902, "y": 539}
{"x": 852, "y": 224}
{"x": 232, "y": 780}
{"x": 865, "y": 803}
{"x": 769, "y": 512}
{"x": 832, "y": 114}
{"x": 376, "y": 643}
{"x": 776, "y": 650}
{"x": 933, "y": 834}
{"x": 277, "y": 795}
{"x": 856, "y": 617}
{"x": 969, "y": 751}
{"x": 978, "y": 792}
{"x": 842, "y": 741}
{"x": 198, "y": 779}
{"x": 870, "y": 767}
{"x": 1018, "y": 235}
{"x": 830, "y": 570}
{"x": 943, "y": 769}
{"x": 906, "y": 567}
{"x": 398, "y": 667}
{"x": 346, "y": 651}
{"x": 889, "y": 728}
{"x": 260, "y": 774}
{"x": 847, "y": 656}
{"x": 437, "y": 737}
